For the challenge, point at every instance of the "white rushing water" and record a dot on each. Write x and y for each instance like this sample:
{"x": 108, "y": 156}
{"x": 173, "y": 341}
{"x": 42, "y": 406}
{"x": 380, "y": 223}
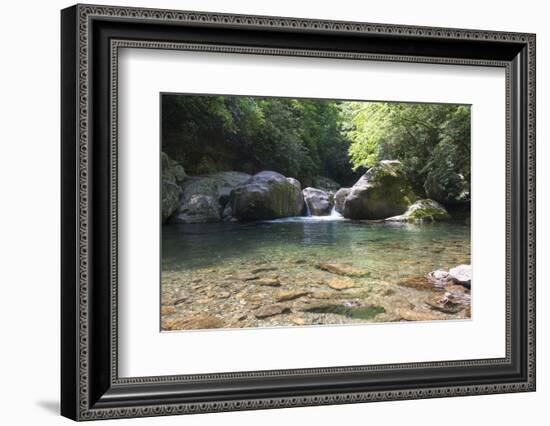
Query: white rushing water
{"x": 333, "y": 217}
{"x": 308, "y": 211}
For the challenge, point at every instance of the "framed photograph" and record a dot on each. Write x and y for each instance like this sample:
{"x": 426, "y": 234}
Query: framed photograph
{"x": 263, "y": 212}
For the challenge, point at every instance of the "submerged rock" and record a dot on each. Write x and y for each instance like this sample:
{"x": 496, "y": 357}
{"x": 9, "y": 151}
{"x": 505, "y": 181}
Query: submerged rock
{"x": 197, "y": 322}
{"x": 167, "y": 310}
{"x": 203, "y": 197}
{"x": 283, "y": 296}
{"x": 422, "y": 210}
{"x": 268, "y": 281}
{"x": 383, "y": 191}
{"x": 248, "y": 277}
{"x": 341, "y": 283}
{"x": 412, "y": 315}
{"x": 267, "y": 195}
{"x": 263, "y": 269}
{"x": 271, "y": 310}
{"x": 319, "y": 202}
{"x": 325, "y": 294}
{"x": 416, "y": 282}
{"x": 343, "y": 269}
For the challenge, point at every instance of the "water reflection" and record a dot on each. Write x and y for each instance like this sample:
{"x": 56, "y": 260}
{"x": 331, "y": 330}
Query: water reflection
{"x": 394, "y": 249}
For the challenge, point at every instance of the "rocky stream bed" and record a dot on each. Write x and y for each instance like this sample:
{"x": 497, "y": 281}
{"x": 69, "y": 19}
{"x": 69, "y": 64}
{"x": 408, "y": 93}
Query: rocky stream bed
{"x": 284, "y": 273}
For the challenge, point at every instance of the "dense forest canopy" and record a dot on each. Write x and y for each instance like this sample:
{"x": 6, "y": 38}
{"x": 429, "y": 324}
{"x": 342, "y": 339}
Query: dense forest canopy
{"x": 307, "y": 138}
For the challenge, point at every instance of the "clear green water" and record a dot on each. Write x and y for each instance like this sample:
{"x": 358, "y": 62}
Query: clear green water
{"x": 215, "y": 271}
{"x": 390, "y": 251}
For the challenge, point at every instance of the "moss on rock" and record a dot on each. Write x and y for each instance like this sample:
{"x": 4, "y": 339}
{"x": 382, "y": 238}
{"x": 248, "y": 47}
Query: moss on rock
{"x": 422, "y": 211}
{"x": 172, "y": 174}
{"x": 383, "y": 191}
{"x": 268, "y": 195}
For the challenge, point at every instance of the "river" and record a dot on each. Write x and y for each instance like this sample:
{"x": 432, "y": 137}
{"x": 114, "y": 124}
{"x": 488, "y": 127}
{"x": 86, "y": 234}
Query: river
{"x": 217, "y": 269}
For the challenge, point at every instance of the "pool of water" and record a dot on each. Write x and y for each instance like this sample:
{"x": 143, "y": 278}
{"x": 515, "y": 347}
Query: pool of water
{"x": 220, "y": 275}
{"x": 389, "y": 250}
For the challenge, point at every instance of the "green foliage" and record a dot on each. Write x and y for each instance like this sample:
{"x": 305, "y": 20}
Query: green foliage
{"x": 431, "y": 140}
{"x": 309, "y": 138}
{"x": 298, "y": 138}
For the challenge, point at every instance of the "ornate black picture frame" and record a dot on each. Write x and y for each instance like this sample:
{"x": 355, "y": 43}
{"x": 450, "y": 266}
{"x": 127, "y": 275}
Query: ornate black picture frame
{"x": 91, "y": 36}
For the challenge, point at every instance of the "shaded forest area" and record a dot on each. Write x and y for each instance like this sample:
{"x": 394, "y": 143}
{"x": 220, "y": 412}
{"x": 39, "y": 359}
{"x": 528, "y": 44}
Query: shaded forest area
{"x": 310, "y": 138}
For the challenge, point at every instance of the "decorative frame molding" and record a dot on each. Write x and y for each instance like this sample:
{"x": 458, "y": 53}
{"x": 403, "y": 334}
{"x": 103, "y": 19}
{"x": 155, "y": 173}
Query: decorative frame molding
{"x": 91, "y": 388}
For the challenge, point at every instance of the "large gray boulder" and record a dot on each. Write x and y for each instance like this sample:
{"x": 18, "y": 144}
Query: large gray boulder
{"x": 339, "y": 198}
{"x": 319, "y": 202}
{"x": 421, "y": 211}
{"x": 204, "y": 197}
{"x": 170, "y": 199}
{"x": 297, "y": 199}
{"x": 267, "y": 195}
{"x": 383, "y": 191}
{"x": 172, "y": 171}
{"x": 172, "y": 175}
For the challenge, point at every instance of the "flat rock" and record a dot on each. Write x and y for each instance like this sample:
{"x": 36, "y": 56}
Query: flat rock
{"x": 343, "y": 269}
{"x": 283, "y": 296}
{"x": 267, "y": 281}
{"x": 418, "y": 283}
{"x": 248, "y": 277}
{"x": 271, "y": 310}
{"x": 221, "y": 294}
{"x": 264, "y": 269}
{"x": 322, "y": 294}
{"x": 166, "y": 310}
{"x": 196, "y": 322}
{"x": 340, "y": 283}
{"x": 411, "y": 315}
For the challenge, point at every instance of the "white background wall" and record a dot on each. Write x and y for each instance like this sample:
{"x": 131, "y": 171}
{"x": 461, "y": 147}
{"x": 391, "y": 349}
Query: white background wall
{"x": 29, "y": 213}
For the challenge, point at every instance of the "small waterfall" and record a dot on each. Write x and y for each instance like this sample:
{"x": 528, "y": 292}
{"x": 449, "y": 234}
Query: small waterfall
{"x": 334, "y": 213}
{"x": 307, "y": 211}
